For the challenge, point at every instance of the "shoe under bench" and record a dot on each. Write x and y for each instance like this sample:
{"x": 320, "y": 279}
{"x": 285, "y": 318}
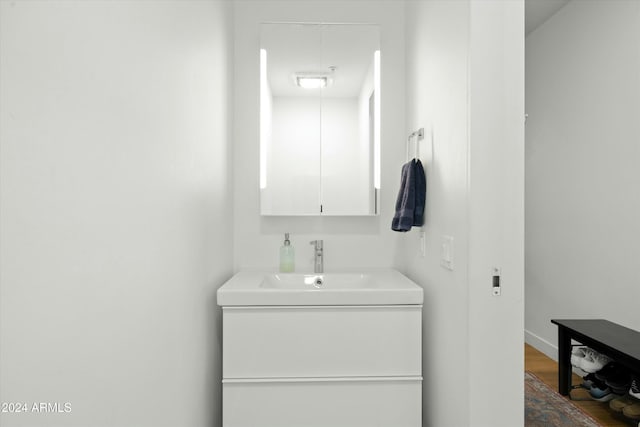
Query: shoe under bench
{"x": 615, "y": 341}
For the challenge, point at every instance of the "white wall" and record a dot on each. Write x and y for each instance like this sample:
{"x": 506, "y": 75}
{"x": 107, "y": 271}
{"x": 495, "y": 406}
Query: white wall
{"x": 116, "y": 211}
{"x": 583, "y": 205}
{"x": 437, "y": 61}
{"x": 350, "y": 243}
{"x": 496, "y": 212}
{"x": 464, "y": 84}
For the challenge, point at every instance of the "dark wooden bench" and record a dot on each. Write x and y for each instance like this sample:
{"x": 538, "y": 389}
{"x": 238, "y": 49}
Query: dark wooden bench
{"x": 619, "y": 343}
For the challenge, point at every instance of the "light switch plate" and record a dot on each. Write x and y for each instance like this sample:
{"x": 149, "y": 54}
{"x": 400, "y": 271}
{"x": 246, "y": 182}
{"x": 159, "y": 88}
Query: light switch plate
{"x": 446, "y": 258}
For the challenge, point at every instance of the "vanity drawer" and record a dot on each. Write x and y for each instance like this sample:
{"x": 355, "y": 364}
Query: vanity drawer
{"x": 356, "y": 403}
{"x": 322, "y": 341}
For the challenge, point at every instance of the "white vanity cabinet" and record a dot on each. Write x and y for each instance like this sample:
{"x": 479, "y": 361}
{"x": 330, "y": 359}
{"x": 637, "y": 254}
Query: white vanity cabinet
{"x": 324, "y": 366}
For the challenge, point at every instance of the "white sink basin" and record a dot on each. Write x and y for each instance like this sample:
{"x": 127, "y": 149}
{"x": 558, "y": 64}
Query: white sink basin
{"x": 387, "y": 287}
{"x": 317, "y": 281}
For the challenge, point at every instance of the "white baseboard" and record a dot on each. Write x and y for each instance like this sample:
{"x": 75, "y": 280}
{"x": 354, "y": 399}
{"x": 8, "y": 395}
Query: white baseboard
{"x": 541, "y": 344}
{"x": 551, "y": 350}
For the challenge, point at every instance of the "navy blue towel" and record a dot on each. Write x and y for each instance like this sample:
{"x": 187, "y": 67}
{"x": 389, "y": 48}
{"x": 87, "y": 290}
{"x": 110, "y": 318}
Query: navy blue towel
{"x": 405, "y": 203}
{"x": 421, "y": 193}
{"x": 411, "y": 197}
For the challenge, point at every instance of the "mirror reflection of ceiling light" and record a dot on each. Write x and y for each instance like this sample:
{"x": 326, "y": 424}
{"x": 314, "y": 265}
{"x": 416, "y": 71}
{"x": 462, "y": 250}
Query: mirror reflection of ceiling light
{"x": 316, "y": 82}
{"x": 314, "y": 79}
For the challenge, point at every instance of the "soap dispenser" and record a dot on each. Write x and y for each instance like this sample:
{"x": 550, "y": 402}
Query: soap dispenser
{"x": 287, "y": 256}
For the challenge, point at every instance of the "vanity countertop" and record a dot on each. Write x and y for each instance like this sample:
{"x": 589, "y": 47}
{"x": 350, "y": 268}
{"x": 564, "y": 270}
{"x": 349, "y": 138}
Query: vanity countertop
{"x": 379, "y": 287}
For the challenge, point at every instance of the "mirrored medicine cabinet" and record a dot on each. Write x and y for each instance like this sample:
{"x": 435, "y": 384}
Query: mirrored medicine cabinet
{"x": 319, "y": 119}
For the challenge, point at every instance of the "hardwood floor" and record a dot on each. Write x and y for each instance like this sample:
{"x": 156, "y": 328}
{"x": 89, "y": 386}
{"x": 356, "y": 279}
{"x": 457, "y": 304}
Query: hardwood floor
{"x": 547, "y": 370}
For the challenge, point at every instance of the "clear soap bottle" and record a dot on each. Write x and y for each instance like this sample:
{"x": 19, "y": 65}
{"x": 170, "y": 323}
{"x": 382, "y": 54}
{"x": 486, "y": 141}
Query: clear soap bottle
{"x": 287, "y": 256}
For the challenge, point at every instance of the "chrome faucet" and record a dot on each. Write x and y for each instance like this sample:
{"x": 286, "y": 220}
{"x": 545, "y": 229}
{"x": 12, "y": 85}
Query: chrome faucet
{"x": 318, "y": 256}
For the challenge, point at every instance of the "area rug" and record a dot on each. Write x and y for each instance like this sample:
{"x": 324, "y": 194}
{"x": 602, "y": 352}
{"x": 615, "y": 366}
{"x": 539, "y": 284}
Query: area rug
{"x": 544, "y": 407}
